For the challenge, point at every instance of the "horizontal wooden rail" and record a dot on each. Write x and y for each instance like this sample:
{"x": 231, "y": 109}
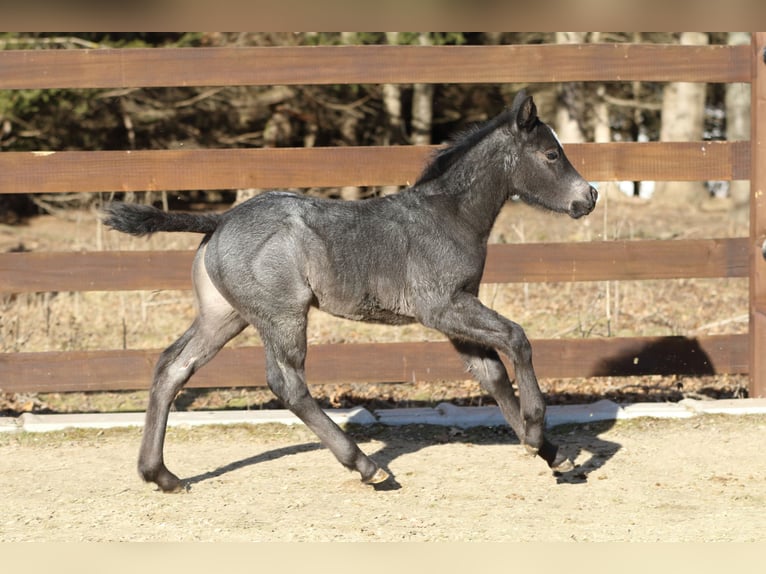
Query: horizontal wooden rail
{"x": 378, "y": 362}
{"x": 170, "y": 170}
{"x": 616, "y": 260}
{"x": 506, "y": 263}
{"x": 289, "y": 65}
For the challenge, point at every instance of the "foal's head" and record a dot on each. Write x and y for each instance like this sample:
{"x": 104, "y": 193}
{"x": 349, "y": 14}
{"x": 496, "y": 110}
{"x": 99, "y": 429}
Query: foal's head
{"x": 517, "y": 155}
{"x": 537, "y": 169}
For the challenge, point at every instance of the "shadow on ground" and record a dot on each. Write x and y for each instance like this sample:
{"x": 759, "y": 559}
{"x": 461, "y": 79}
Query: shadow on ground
{"x": 408, "y": 439}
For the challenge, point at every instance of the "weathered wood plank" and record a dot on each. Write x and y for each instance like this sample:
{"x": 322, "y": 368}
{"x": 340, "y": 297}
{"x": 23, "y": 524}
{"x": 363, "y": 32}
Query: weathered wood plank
{"x": 662, "y": 161}
{"x": 506, "y": 263}
{"x": 290, "y": 65}
{"x": 639, "y": 356}
{"x": 95, "y": 271}
{"x": 616, "y": 260}
{"x": 83, "y": 171}
{"x": 377, "y": 363}
{"x": 175, "y": 170}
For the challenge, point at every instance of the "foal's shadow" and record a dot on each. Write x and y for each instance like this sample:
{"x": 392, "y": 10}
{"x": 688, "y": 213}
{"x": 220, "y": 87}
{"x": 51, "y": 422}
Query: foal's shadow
{"x": 573, "y": 439}
{"x": 408, "y": 439}
{"x": 577, "y": 439}
{"x": 256, "y": 459}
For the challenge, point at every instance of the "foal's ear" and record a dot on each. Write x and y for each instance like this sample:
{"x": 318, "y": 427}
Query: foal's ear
{"x": 526, "y": 113}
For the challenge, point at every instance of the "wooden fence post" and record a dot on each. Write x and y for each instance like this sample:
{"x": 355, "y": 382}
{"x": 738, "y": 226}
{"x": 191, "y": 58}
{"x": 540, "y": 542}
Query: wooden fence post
{"x": 758, "y": 218}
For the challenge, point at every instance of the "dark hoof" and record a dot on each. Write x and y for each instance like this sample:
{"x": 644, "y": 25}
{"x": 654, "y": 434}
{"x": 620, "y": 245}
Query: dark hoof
{"x": 561, "y": 463}
{"x": 172, "y": 487}
{"x": 564, "y": 466}
{"x": 164, "y": 479}
{"x": 378, "y": 477}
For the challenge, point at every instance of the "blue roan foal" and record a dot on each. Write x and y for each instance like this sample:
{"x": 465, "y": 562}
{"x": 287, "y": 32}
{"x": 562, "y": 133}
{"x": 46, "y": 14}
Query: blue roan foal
{"x": 414, "y": 256}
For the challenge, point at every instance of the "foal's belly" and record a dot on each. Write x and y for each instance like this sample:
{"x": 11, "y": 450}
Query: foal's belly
{"x": 368, "y": 309}
{"x": 382, "y": 317}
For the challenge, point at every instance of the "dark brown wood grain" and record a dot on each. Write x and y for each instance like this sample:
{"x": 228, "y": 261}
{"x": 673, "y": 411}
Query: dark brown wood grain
{"x": 176, "y": 170}
{"x": 506, "y": 263}
{"x": 378, "y": 363}
{"x": 290, "y": 65}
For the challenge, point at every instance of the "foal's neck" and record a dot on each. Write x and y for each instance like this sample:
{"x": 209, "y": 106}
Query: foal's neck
{"x": 475, "y": 199}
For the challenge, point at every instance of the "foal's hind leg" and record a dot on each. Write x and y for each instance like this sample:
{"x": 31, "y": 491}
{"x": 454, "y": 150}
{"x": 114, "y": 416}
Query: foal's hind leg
{"x": 485, "y": 365}
{"x": 217, "y": 323}
{"x": 285, "y": 359}
{"x": 175, "y": 367}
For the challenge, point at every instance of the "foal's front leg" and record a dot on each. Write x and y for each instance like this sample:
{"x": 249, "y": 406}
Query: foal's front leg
{"x": 462, "y": 317}
{"x": 485, "y": 365}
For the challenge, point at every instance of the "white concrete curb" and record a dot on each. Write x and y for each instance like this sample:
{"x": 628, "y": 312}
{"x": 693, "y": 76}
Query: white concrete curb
{"x": 45, "y": 423}
{"x": 444, "y": 414}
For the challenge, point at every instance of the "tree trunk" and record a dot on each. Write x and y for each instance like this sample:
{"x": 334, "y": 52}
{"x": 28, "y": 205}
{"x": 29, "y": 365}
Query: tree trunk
{"x": 278, "y": 131}
{"x": 392, "y": 103}
{"x": 602, "y": 128}
{"x": 348, "y": 128}
{"x": 567, "y": 124}
{"x": 422, "y": 105}
{"x": 683, "y": 115}
{"x": 738, "y": 122}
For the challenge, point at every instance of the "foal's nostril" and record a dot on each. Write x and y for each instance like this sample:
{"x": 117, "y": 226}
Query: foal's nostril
{"x": 585, "y": 205}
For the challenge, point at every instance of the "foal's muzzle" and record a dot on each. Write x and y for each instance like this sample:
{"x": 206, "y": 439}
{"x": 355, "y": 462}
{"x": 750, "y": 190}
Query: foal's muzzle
{"x": 584, "y": 206}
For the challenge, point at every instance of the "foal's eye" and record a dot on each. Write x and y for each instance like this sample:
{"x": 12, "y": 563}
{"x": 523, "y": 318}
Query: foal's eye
{"x": 552, "y": 155}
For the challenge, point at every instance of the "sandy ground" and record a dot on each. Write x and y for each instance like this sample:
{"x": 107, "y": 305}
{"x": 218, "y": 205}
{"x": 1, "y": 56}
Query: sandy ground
{"x": 698, "y": 479}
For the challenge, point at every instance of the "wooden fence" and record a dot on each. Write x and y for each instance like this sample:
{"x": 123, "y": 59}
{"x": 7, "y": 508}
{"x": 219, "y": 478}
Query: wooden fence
{"x": 178, "y": 170}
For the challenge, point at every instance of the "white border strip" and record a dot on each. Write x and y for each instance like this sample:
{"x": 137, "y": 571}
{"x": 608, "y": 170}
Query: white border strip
{"x": 444, "y": 414}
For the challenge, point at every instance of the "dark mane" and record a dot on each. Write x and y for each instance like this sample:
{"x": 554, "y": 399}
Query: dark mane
{"x": 445, "y": 157}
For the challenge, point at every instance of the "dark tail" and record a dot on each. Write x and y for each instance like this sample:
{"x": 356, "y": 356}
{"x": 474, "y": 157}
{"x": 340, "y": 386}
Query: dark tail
{"x": 144, "y": 220}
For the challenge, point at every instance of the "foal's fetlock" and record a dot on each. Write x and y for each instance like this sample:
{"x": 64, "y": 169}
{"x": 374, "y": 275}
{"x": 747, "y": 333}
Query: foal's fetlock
{"x": 533, "y": 439}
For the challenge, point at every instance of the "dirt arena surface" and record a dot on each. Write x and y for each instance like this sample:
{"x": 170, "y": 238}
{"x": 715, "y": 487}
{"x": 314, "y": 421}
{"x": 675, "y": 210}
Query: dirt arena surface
{"x": 696, "y": 480}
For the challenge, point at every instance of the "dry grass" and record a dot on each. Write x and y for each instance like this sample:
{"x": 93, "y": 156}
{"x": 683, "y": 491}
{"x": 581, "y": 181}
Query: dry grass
{"x": 151, "y": 320}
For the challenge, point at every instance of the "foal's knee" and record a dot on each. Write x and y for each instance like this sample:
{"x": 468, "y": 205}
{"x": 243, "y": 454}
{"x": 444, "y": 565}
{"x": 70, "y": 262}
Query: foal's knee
{"x": 521, "y": 348}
